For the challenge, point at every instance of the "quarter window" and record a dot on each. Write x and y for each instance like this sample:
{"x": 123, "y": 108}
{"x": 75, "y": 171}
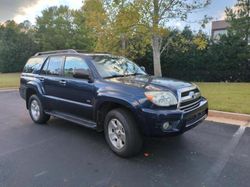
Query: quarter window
{"x": 33, "y": 65}
{"x": 72, "y": 64}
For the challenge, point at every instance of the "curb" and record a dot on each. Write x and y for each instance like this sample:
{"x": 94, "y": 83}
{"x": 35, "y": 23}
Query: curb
{"x": 8, "y": 90}
{"x": 229, "y": 115}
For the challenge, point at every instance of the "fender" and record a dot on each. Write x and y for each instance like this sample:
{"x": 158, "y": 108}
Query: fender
{"x": 116, "y": 97}
{"x": 35, "y": 85}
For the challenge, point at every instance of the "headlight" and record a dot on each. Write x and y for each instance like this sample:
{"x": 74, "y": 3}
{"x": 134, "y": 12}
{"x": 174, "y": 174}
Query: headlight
{"x": 161, "y": 98}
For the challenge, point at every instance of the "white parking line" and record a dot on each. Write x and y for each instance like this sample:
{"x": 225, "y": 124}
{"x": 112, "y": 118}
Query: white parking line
{"x": 40, "y": 174}
{"x": 216, "y": 169}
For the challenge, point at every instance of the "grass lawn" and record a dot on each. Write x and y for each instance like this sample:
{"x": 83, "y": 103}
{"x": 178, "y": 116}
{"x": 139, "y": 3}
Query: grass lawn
{"x": 9, "y": 80}
{"x": 229, "y": 97}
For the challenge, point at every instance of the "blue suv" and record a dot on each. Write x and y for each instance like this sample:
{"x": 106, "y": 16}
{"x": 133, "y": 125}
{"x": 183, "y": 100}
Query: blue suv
{"x": 111, "y": 94}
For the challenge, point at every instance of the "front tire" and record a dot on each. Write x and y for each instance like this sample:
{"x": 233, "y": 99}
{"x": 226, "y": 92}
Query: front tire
{"x": 121, "y": 133}
{"x": 36, "y": 110}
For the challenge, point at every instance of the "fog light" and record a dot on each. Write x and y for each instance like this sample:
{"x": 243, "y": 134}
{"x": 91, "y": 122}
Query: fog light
{"x": 165, "y": 125}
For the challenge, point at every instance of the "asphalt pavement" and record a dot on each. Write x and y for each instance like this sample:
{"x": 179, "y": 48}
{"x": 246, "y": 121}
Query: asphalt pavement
{"x": 61, "y": 153}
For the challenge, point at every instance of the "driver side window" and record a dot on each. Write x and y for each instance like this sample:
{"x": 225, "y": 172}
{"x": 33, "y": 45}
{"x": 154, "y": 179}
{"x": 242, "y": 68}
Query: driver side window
{"x": 73, "y": 64}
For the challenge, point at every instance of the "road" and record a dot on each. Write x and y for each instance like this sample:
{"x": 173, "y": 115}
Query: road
{"x": 64, "y": 154}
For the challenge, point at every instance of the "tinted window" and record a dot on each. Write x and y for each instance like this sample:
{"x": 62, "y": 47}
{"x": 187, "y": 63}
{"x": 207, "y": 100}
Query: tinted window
{"x": 55, "y": 65}
{"x": 72, "y": 64}
{"x": 112, "y": 66}
{"x": 33, "y": 65}
{"x": 45, "y": 67}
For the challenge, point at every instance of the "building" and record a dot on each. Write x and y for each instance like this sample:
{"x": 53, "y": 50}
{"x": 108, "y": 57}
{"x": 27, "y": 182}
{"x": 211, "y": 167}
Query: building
{"x": 219, "y": 28}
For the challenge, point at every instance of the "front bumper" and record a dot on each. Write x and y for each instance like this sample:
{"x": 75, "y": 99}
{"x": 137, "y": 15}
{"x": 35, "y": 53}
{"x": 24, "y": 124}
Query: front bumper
{"x": 151, "y": 120}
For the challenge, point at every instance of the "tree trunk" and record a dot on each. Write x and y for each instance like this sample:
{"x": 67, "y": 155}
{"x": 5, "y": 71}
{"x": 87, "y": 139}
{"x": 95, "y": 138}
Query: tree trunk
{"x": 156, "y": 40}
{"x": 248, "y": 23}
{"x": 156, "y": 55}
{"x": 123, "y": 43}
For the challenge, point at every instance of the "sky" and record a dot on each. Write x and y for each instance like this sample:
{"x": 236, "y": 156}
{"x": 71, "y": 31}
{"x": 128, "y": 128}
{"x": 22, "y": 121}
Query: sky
{"x": 21, "y": 10}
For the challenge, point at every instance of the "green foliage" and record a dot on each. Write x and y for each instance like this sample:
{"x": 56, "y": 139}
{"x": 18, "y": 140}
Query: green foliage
{"x": 16, "y": 46}
{"x": 114, "y": 27}
{"x": 131, "y": 38}
{"x": 226, "y": 60}
{"x": 239, "y": 19}
{"x": 126, "y": 27}
{"x": 96, "y": 22}
{"x": 61, "y": 28}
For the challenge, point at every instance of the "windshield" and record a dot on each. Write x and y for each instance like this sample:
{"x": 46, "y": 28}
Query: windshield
{"x": 112, "y": 66}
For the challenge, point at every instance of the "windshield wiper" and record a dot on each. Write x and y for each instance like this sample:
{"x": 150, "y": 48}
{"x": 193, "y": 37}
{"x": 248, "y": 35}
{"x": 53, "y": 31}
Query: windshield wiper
{"x": 113, "y": 76}
{"x": 137, "y": 73}
{"x": 124, "y": 75}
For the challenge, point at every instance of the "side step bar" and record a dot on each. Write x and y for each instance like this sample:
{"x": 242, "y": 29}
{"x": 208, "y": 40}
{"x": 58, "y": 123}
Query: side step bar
{"x": 73, "y": 119}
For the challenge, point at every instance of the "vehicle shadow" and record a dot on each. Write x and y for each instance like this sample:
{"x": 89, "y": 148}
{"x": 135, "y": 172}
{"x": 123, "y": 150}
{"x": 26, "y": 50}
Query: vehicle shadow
{"x": 153, "y": 146}
{"x": 162, "y": 159}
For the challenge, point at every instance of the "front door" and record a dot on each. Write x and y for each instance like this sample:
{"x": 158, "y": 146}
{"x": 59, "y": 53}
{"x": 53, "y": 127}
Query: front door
{"x": 77, "y": 94}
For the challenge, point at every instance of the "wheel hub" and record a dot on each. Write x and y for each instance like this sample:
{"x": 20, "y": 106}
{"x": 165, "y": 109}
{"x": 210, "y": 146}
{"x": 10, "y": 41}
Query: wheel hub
{"x": 116, "y": 133}
{"x": 35, "y": 110}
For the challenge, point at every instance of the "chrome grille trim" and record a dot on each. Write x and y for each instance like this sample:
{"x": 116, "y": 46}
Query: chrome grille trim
{"x": 188, "y": 98}
{"x": 194, "y": 103}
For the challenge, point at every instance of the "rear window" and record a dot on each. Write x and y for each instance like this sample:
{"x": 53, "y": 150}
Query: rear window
{"x": 53, "y": 66}
{"x": 33, "y": 65}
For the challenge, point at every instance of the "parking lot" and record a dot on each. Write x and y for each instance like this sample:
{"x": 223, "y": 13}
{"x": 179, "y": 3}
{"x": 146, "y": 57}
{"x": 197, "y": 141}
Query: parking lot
{"x": 64, "y": 154}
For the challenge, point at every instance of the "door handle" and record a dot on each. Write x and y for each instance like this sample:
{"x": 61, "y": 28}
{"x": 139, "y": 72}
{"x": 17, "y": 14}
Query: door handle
{"x": 62, "y": 82}
{"x": 41, "y": 79}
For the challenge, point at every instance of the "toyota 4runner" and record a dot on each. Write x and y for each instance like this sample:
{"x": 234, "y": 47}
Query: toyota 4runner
{"x": 111, "y": 94}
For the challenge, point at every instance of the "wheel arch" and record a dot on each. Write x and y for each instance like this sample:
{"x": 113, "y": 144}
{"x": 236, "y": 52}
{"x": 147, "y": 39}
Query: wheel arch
{"x": 104, "y": 107}
{"x": 31, "y": 89}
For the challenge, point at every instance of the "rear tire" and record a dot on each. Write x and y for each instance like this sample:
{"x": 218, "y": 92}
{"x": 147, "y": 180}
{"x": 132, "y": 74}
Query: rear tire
{"x": 121, "y": 133}
{"x": 36, "y": 110}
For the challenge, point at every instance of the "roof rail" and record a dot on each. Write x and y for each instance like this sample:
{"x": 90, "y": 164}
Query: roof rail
{"x": 57, "y": 51}
{"x": 87, "y": 52}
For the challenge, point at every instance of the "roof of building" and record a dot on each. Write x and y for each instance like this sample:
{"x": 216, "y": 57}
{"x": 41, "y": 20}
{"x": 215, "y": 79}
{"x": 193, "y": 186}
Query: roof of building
{"x": 220, "y": 25}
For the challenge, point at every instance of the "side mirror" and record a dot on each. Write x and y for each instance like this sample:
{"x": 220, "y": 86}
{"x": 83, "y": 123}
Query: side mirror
{"x": 143, "y": 68}
{"x": 81, "y": 74}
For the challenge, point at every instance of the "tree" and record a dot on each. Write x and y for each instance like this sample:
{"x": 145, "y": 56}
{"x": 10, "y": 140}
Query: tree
{"x": 239, "y": 19}
{"x": 61, "y": 28}
{"x": 16, "y": 46}
{"x": 156, "y": 13}
{"x": 113, "y": 25}
{"x": 131, "y": 37}
{"x": 96, "y": 22}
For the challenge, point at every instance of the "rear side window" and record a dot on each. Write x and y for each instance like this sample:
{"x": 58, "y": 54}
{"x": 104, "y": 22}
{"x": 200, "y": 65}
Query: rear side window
{"x": 53, "y": 66}
{"x": 33, "y": 65}
{"x": 72, "y": 64}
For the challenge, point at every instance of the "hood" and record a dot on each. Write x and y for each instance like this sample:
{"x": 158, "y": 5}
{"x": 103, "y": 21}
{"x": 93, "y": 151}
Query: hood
{"x": 152, "y": 83}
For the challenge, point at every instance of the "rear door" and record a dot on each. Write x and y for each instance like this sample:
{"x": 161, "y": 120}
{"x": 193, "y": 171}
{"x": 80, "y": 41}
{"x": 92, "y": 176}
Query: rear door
{"x": 51, "y": 76}
{"x": 77, "y": 94}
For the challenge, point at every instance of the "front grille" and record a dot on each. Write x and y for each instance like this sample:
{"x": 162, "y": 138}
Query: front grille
{"x": 189, "y": 99}
{"x": 186, "y": 93}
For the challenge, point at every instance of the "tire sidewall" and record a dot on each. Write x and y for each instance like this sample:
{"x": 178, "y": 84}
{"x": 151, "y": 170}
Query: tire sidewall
{"x": 34, "y": 97}
{"x": 117, "y": 114}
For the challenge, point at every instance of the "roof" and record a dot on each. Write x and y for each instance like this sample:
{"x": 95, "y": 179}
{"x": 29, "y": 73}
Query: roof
{"x": 71, "y": 51}
{"x": 220, "y": 25}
